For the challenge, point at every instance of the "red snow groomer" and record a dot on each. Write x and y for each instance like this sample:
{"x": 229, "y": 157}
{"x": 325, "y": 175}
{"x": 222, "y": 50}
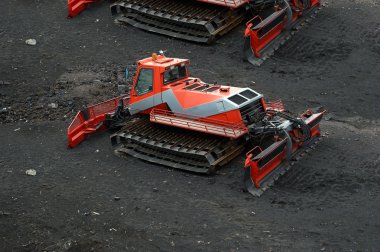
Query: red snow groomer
{"x": 182, "y": 122}
{"x": 204, "y": 21}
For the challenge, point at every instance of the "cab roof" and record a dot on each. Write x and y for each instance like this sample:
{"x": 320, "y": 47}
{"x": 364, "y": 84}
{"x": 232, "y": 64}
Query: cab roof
{"x": 162, "y": 61}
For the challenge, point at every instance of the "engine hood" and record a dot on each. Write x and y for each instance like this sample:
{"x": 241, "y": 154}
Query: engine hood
{"x": 194, "y": 97}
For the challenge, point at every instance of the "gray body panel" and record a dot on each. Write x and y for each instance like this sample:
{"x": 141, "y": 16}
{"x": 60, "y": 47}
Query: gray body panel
{"x": 204, "y": 110}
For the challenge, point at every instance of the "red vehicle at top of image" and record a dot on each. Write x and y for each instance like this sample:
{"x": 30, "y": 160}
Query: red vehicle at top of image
{"x": 269, "y": 23}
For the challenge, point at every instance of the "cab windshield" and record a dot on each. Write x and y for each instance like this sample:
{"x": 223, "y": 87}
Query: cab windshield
{"x": 174, "y": 74}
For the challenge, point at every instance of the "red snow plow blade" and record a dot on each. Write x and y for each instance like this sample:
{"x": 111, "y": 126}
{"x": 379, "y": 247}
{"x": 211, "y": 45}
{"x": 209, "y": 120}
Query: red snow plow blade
{"x": 263, "y": 166}
{"x": 77, "y": 6}
{"x": 91, "y": 120}
{"x": 264, "y": 35}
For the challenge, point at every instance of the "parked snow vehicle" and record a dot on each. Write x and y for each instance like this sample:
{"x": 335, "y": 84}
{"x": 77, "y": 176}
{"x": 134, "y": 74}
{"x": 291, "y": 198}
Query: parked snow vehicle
{"x": 204, "y": 21}
{"x": 182, "y": 122}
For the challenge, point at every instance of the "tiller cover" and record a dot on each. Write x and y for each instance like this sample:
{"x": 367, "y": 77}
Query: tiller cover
{"x": 264, "y": 34}
{"x": 263, "y": 165}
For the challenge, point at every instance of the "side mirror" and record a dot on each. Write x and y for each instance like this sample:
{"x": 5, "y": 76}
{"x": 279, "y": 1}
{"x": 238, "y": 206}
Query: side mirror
{"x": 126, "y": 74}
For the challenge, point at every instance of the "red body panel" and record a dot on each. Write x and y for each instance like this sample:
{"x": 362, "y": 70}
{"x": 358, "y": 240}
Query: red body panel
{"x": 77, "y": 6}
{"x": 233, "y": 116}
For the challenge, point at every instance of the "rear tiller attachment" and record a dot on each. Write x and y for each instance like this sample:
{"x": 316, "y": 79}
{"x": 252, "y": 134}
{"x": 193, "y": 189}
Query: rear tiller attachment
{"x": 264, "y": 34}
{"x": 284, "y": 141}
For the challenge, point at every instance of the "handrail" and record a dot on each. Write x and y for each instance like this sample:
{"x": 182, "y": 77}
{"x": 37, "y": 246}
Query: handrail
{"x": 239, "y": 125}
{"x": 207, "y": 125}
{"x": 227, "y": 3}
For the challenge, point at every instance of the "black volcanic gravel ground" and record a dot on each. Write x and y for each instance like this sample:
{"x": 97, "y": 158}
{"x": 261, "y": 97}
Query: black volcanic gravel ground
{"x": 89, "y": 199}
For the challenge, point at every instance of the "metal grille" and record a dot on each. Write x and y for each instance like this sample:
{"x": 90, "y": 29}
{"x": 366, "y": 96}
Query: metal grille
{"x": 212, "y": 89}
{"x": 253, "y": 112}
{"x": 237, "y": 99}
{"x": 248, "y": 94}
{"x": 192, "y": 86}
{"x": 202, "y": 88}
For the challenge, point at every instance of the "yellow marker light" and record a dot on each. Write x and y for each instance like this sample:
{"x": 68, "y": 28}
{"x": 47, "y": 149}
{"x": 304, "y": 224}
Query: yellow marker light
{"x": 154, "y": 56}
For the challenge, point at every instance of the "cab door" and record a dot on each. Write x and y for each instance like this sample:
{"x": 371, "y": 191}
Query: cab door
{"x": 142, "y": 95}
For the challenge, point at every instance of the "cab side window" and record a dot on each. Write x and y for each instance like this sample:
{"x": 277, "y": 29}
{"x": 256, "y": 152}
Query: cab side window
{"x": 144, "y": 83}
{"x": 174, "y": 74}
